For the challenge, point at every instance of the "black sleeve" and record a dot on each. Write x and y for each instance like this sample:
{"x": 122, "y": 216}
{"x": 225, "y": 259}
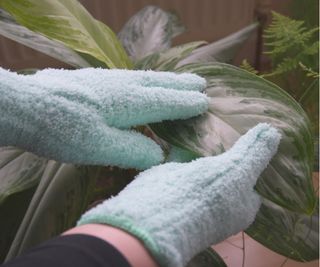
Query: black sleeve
{"x": 71, "y": 250}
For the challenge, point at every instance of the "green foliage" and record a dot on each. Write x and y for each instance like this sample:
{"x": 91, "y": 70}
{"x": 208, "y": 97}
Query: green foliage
{"x": 289, "y": 43}
{"x": 294, "y": 52}
{"x": 239, "y": 101}
{"x": 248, "y": 67}
{"x": 207, "y": 258}
{"x": 18, "y": 33}
{"x": 68, "y": 22}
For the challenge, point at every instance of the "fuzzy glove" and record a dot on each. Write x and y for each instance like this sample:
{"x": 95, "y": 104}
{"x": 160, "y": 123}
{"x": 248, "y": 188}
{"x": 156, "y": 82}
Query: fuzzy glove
{"x": 179, "y": 209}
{"x": 84, "y": 116}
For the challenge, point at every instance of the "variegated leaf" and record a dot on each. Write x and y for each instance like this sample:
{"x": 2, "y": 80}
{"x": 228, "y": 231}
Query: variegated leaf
{"x": 223, "y": 50}
{"x": 149, "y": 31}
{"x": 68, "y": 22}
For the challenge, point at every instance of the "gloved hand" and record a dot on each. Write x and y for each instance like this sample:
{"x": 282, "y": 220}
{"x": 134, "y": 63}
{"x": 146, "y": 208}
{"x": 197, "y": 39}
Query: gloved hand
{"x": 84, "y": 116}
{"x": 179, "y": 209}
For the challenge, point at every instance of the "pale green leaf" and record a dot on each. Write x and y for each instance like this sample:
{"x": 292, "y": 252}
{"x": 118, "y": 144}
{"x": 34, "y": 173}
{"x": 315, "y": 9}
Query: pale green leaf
{"x": 68, "y": 22}
{"x": 149, "y": 31}
{"x": 223, "y": 50}
{"x": 10, "y": 29}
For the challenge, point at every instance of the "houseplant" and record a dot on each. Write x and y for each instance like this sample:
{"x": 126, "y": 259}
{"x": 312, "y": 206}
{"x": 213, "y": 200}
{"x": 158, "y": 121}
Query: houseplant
{"x": 239, "y": 100}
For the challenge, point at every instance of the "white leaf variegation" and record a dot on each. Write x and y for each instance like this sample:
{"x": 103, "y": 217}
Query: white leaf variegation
{"x": 240, "y": 100}
{"x": 168, "y": 59}
{"x": 149, "y": 31}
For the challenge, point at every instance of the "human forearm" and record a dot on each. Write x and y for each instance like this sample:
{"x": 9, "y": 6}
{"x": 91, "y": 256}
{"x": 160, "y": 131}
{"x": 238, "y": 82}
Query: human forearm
{"x": 129, "y": 246}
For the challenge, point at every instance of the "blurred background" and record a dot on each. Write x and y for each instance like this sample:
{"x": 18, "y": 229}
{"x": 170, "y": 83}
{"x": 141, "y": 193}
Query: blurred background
{"x": 207, "y": 20}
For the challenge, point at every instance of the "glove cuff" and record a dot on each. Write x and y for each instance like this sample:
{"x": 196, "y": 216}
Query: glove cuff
{"x": 128, "y": 226}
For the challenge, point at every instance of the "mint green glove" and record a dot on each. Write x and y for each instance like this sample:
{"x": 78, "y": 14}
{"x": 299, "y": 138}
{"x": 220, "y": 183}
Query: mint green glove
{"x": 179, "y": 209}
{"x": 84, "y": 116}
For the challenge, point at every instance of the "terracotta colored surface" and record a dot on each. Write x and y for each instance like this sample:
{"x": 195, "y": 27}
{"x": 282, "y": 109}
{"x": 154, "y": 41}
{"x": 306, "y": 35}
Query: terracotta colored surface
{"x": 256, "y": 255}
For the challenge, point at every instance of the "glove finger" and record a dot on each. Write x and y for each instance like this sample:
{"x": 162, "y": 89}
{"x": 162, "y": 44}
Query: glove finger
{"x": 170, "y": 80}
{"x": 256, "y": 148}
{"x": 126, "y": 149}
{"x": 103, "y": 145}
{"x": 146, "y": 105}
{"x": 71, "y": 133}
{"x": 99, "y": 78}
{"x": 250, "y": 155}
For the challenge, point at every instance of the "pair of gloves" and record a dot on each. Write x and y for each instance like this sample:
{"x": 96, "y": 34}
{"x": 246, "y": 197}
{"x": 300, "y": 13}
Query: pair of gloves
{"x": 84, "y": 116}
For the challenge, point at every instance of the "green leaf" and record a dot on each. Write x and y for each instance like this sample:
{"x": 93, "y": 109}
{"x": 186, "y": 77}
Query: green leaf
{"x": 248, "y": 67}
{"x": 19, "y": 170}
{"x": 291, "y": 234}
{"x": 149, "y": 31}
{"x": 69, "y": 23}
{"x": 207, "y": 258}
{"x": 20, "y": 173}
{"x": 60, "y": 199}
{"x": 223, "y": 50}
{"x": 12, "y": 30}
{"x": 168, "y": 59}
{"x": 238, "y": 101}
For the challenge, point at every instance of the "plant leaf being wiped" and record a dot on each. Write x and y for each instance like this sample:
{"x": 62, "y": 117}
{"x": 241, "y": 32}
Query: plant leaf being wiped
{"x": 291, "y": 234}
{"x": 68, "y": 22}
{"x": 238, "y": 101}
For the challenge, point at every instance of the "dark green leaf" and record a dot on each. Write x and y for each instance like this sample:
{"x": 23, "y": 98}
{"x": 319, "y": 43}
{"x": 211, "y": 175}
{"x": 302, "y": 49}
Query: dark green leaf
{"x": 68, "y": 22}
{"x": 149, "y": 31}
{"x": 207, "y": 258}
{"x": 291, "y": 234}
{"x": 20, "y": 173}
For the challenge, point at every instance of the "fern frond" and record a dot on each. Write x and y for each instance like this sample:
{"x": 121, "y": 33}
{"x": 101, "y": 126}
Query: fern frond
{"x": 287, "y": 65}
{"x": 312, "y": 49}
{"x": 285, "y": 34}
{"x": 248, "y": 67}
{"x": 289, "y": 43}
{"x": 309, "y": 72}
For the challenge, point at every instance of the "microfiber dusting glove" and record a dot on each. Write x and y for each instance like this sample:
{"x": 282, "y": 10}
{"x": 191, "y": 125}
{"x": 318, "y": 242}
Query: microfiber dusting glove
{"x": 84, "y": 116}
{"x": 179, "y": 209}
